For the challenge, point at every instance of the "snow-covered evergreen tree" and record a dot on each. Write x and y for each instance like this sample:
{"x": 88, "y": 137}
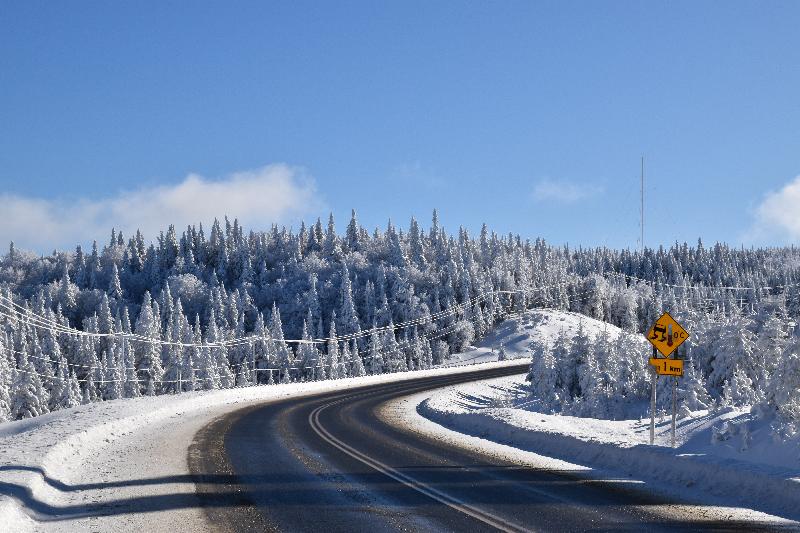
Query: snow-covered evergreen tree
{"x": 6, "y": 378}
{"x": 543, "y": 376}
{"x": 375, "y": 347}
{"x": 357, "y": 368}
{"x": 501, "y": 353}
{"x": 28, "y": 397}
{"x": 332, "y": 359}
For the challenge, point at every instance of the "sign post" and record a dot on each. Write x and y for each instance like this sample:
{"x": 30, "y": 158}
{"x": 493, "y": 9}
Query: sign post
{"x": 653, "y": 403}
{"x": 665, "y": 336}
{"x": 674, "y": 405}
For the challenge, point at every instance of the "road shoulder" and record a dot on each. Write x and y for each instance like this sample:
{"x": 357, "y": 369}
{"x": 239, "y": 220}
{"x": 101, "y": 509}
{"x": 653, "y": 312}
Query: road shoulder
{"x": 495, "y": 437}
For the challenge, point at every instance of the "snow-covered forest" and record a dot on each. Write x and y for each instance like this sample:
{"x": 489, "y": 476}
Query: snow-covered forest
{"x": 193, "y": 311}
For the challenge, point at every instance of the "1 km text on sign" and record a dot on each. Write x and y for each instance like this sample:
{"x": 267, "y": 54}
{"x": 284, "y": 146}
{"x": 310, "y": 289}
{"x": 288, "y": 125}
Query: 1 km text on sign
{"x": 667, "y": 367}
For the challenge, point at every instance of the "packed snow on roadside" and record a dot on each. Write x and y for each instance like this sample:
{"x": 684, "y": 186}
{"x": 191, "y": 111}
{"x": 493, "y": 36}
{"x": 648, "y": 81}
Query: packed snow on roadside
{"x": 120, "y": 465}
{"x": 726, "y": 455}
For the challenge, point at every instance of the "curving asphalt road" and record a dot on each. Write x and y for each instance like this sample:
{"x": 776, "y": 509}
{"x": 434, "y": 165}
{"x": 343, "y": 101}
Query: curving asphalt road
{"x": 328, "y": 463}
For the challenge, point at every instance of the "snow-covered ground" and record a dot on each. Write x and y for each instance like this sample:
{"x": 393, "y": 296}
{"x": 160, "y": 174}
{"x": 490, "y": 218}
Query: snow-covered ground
{"x": 515, "y": 335}
{"x": 122, "y": 465}
{"x": 727, "y": 459}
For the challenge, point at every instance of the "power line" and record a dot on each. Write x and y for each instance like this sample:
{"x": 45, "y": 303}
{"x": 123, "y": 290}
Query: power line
{"x": 8, "y": 308}
{"x": 400, "y": 346}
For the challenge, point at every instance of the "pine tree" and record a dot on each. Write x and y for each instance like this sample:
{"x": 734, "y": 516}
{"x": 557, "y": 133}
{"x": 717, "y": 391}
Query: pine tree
{"x": 331, "y": 248}
{"x": 264, "y": 350}
{"x": 352, "y": 239}
{"x": 95, "y": 373}
{"x": 131, "y": 382}
{"x": 6, "y": 376}
{"x": 345, "y": 360}
{"x": 393, "y": 358}
{"x": 348, "y": 323}
{"x": 736, "y": 349}
{"x": 67, "y": 294}
{"x": 565, "y": 365}
{"x": 28, "y": 397}
{"x": 115, "y": 286}
{"x": 501, "y": 353}
{"x": 60, "y": 383}
{"x": 695, "y": 396}
{"x": 69, "y": 394}
{"x": 427, "y": 351}
{"x": 112, "y": 386}
{"x": 581, "y": 356}
{"x": 285, "y": 357}
{"x": 543, "y": 376}
{"x": 440, "y": 352}
{"x": 306, "y": 352}
{"x": 783, "y": 392}
{"x": 332, "y": 359}
{"x": 74, "y": 399}
{"x": 320, "y": 372}
{"x": 214, "y": 360}
{"x": 148, "y": 354}
{"x": 375, "y": 355}
{"x": 207, "y": 371}
{"x": 357, "y": 370}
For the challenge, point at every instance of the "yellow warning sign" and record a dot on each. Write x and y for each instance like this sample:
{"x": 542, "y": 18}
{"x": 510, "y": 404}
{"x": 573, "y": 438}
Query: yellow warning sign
{"x": 666, "y": 335}
{"x": 667, "y": 367}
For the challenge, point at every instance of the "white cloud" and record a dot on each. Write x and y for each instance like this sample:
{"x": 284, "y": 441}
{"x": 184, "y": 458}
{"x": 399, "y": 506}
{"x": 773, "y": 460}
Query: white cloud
{"x": 563, "y": 191}
{"x": 778, "y": 215}
{"x": 275, "y": 193}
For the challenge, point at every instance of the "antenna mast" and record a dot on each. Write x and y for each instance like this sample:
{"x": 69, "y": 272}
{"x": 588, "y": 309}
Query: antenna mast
{"x": 641, "y": 207}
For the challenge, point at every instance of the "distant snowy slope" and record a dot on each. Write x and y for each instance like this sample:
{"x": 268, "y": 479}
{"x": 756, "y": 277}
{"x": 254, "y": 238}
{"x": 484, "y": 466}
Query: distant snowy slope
{"x": 517, "y": 335}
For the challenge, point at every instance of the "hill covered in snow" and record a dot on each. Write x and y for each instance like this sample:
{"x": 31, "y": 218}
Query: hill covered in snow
{"x": 217, "y": 309}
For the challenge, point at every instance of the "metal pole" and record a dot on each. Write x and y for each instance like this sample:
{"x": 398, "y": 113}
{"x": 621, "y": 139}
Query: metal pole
{"x": 642, "y": 205}
{"x": 255, "y": 373}
{"x": 653, "y": 405}
{"x": 123, "y": 365}
{"x": 674, "y": 404}
{"x": 674, "y": 400}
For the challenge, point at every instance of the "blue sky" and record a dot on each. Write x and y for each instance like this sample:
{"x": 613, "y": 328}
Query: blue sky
{"x": 529, "y": 116}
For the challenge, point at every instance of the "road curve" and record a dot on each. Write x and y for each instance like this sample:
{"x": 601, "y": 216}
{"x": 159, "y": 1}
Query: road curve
{"x": 328, "y": 463}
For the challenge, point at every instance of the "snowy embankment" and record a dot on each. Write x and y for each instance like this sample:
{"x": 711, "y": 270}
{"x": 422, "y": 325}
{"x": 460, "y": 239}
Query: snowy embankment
{"x": 122, "y": 465}
{"x": 716, "y": 461}
{"x": 695, "y": 468}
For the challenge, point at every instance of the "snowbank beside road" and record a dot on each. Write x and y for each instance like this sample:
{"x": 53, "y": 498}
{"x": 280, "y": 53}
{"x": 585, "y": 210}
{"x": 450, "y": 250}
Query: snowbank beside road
{"x": 122, "y": 465}
{"x": 693, "y": 470}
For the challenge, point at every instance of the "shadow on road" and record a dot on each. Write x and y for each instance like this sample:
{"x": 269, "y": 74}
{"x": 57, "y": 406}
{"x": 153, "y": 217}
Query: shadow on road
{"x": 313, "y": 493}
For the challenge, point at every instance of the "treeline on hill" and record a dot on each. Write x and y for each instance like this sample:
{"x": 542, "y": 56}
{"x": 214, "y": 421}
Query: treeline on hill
{"x": 192, "y": 311}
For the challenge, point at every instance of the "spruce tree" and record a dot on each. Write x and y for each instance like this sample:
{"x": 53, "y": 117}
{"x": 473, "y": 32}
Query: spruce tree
{"x": 357, "y": 368}
{"x": 6, "y": 375}
{"x": 332, "y": 359}
{"x": 543, "y": 376}
{"x": 375, "y": 356}
{"x": 28, "y": 396}
{"x": 148, "y": 352}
